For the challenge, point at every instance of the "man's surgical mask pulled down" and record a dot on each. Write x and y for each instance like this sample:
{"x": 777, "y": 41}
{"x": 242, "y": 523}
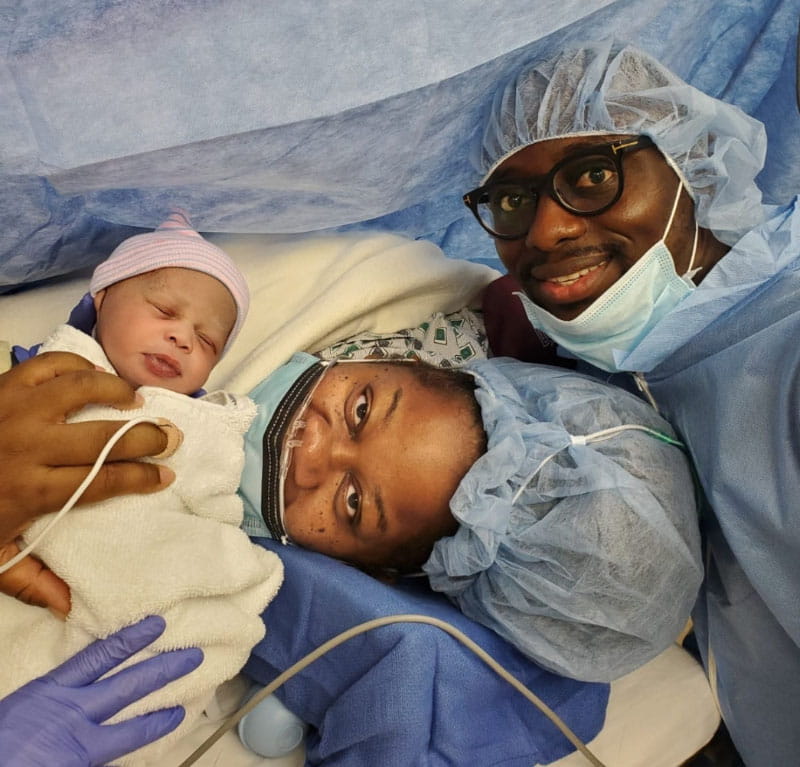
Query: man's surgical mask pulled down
{"x": 606, "y": 332}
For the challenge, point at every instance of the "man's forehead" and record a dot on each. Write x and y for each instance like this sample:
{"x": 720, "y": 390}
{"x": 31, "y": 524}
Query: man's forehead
{"x": 550, "y": 151}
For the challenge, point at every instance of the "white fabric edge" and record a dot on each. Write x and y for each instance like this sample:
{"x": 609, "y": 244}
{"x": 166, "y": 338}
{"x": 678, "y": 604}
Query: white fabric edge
{"x": 307, "y": 292}
{"x": 659, "y": 715}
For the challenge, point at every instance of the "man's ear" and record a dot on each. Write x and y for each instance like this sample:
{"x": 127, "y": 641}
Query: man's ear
{"x": 97, "y": 299}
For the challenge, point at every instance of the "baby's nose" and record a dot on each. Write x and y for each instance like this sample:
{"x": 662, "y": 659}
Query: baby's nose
{"x": 181, "y": 337}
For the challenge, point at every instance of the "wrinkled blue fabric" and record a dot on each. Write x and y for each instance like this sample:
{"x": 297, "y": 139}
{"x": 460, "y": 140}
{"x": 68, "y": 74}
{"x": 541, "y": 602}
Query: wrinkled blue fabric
{"x": 729, "y": 382}
{"x": 257, "y": 117}
{"x": 407, "y": 695}
{"x": 58, "y": 718}
{"x": 584, "y": 556}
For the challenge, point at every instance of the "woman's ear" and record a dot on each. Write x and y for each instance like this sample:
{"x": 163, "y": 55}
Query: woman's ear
{"x": 387, "y": 575}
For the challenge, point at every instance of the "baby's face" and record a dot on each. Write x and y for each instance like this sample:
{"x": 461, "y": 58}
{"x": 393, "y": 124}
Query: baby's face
{"x": 165, "y": 328}
{"x": 380, "y": 457}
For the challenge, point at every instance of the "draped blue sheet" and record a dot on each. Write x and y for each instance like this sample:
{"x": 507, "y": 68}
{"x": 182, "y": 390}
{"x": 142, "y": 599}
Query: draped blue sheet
{"x": 407, "y": 694}
{"x": 294, "y": 117}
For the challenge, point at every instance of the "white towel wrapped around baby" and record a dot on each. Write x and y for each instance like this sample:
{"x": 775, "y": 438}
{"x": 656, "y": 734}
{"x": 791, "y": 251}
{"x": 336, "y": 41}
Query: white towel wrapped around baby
{"x": 178, "y": 553}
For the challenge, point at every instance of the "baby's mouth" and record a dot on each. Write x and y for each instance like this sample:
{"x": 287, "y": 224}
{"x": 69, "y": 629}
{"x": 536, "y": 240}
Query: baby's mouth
{"x": 162, "y": 366}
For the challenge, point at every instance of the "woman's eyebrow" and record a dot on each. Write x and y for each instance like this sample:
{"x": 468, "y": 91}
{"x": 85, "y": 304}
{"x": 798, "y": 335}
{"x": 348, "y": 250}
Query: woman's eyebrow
{"x": 393, "y": 406}
{"x": 387, "y": 416}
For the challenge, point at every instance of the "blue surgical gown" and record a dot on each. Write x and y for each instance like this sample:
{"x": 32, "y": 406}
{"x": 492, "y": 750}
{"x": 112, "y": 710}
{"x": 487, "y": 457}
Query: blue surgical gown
{"x": 723, "y": 367}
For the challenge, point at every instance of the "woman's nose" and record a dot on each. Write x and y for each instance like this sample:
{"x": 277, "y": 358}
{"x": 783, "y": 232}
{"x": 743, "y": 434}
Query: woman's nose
{"x": 319, "y": 454}
{"x": 553, "y": 224}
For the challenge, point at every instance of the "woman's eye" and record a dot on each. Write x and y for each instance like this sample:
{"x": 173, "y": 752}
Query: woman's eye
{"x": 360, "y": 409}
{"x": 352, "y": 501}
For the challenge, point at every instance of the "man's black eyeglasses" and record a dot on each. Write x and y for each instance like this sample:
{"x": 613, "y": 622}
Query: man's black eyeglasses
{"x": 585, "y": 183}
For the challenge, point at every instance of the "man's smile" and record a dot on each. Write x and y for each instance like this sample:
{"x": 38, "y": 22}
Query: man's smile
{"x": 569, "y": 279}
{"x": 568, "y": 285}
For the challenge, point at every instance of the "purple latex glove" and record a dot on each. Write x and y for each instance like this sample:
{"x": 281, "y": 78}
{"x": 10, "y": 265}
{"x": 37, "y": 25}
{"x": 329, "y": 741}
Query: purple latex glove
{"x": 55, "y": 719}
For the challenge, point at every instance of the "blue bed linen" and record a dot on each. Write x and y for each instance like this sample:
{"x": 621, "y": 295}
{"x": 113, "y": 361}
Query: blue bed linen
{"x": 407, "y": 695}
{"x": 304, "y": 116}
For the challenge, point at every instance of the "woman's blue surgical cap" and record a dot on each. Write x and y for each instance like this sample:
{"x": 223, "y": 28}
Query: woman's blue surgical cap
{"x": 585, "y": 554}
{"x": 609, "y": 87}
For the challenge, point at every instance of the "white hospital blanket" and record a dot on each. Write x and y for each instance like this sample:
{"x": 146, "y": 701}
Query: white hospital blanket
{"x": 310, "y": 292}
{"x": 307, "y": 293}
{"x": 178, "y": 553}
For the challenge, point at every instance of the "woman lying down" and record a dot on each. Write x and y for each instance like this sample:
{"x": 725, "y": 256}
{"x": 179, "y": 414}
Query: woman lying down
{"x": 548, "y": 506}
{"x": 552, "y": 508}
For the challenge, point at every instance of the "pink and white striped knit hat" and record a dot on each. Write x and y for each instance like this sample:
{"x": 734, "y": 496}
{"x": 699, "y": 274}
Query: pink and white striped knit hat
{"x": 174, "y": 243}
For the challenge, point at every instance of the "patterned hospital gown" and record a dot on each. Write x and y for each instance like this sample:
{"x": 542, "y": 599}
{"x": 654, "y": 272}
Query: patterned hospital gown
{"x": 444, "y": 340}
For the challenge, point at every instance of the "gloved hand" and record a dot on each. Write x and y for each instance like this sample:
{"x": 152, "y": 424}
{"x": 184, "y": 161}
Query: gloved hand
{"x": 55, "y": 719}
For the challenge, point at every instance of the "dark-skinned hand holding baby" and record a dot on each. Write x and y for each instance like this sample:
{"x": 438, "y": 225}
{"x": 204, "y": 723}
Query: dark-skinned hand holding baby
{"x": 44, "y": 458}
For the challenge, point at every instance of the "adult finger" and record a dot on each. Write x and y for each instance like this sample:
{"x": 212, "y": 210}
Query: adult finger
{"x": 111, "y": 741}
{"x": 32, "y": 582}
{"x": 102, "y": 655}
{"x": 108, "y": 696}
{"x": 68, "y": 378}
{"x": 64, "y": 391}
{"x": 46, "y": 489}
{"x": 44, "y": 367}
{"x": 87, "y": 438}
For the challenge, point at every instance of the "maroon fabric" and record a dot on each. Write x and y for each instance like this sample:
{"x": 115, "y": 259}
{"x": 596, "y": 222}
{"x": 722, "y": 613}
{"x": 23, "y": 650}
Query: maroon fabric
{"x": 509, "y": 332}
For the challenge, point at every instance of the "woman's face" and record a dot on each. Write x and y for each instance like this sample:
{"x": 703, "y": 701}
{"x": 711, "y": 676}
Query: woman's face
{"x": 566, "y": 261}
{"x": 379, "y": 459}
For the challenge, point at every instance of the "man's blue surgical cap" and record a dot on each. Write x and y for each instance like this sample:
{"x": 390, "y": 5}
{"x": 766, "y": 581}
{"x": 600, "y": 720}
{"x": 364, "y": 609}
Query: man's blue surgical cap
{"x": 578, "y": 541}
{"x": 609, "y": 87}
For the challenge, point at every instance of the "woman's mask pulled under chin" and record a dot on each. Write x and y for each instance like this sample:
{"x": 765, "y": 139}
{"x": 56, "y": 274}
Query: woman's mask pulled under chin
{"x": 606, "y": 332}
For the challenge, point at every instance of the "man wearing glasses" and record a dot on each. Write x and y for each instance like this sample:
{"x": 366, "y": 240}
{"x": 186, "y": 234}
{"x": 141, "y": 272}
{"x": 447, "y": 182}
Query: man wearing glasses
{"x": 623, "y": 202}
